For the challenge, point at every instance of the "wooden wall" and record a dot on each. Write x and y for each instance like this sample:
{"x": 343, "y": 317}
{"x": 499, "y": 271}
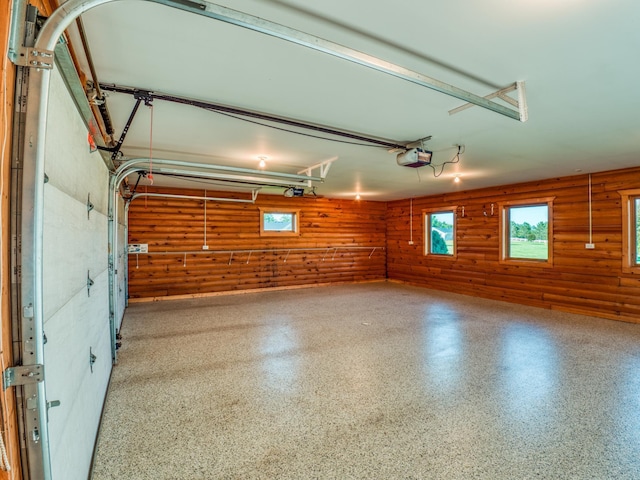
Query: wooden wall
{"x": 583, "y": 281}
{"x": 176, "y": 225}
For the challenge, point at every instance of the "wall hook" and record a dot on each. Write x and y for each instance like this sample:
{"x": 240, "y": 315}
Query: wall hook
{"x": 89, "y": 284}
{"x": 92, "y": 359}
{"x": 90, "y": 205}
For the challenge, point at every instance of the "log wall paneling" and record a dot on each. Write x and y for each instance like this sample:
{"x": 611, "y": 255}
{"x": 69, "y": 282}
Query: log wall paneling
{"x": 583, "y": 281}
{"x": 250, "y": 262}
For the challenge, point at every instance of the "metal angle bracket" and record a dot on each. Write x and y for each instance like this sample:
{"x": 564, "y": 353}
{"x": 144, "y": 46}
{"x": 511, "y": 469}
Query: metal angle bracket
{"x": 145, "y": 96}
{"x": 520, "y": 103}
{"x": 324, "y": 170}
{"x": 22, "y": 375}
{"x": 33, "y": 57}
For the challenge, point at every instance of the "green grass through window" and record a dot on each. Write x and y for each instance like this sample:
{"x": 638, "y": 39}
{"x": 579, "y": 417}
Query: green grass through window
{"x": 529, "y": 250}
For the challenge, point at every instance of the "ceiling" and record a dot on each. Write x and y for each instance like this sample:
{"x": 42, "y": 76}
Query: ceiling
{"x": 579, "y": 59}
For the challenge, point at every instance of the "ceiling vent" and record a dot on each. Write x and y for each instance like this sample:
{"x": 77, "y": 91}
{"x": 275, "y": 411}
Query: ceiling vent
{"x": 414, "y": 158}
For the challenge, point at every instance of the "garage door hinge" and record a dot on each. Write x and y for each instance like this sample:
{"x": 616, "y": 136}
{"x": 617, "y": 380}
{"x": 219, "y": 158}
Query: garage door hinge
{"x": 34, "y": 57}
{"x": 22, "y": 375}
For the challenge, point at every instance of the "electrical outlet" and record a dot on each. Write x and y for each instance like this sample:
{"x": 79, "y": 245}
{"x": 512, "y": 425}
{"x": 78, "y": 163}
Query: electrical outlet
{"x": 205, "y": 247}
{"x": 410, "y": 242}
{"x": 590, "y": 246}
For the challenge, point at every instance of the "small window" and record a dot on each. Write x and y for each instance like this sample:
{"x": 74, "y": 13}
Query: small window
{"x": 278, "y": 222}
{"x": 630, "y": 231}
{"x": 526, "y": 232}
{"x": 440, "y": 232}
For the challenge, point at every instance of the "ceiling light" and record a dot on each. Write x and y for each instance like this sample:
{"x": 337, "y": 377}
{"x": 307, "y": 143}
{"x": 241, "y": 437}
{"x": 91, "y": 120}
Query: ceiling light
{"x": 263, "y": 162}
{"x": 456, "y": 179}
{"x": 357, "y": 196}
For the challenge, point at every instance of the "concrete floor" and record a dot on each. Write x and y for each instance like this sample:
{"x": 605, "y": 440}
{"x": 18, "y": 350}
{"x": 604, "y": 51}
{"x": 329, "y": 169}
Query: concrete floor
{"x": 370, "y": 381}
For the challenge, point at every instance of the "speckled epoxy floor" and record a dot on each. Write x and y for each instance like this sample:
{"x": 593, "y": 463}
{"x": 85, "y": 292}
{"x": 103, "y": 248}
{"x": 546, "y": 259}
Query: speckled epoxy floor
{"x": 370, "y": 381}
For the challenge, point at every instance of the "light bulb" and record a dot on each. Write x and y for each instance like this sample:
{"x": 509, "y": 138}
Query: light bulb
{"x": 456, "y": 179}
{"x": 357, "y": 196}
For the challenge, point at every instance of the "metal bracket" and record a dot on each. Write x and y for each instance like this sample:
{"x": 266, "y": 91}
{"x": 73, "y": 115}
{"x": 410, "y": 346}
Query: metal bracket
{"x": 145, "y": 96}
{"x": 35, "y": 58}
{"x": 90, "y": 205}
{"x": 324, "y": 170}
{"x": 520, "y": 104}
{"x": 92, "y": 359}
{"x": 22, "y": 375}
{"x": 89, "y": 284}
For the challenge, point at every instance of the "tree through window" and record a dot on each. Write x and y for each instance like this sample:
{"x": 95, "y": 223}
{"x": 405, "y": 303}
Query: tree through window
{"x": 440, "y": 232}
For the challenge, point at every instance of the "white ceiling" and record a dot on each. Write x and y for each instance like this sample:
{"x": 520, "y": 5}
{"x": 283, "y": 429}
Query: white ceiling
{"x": 579, "y": 59}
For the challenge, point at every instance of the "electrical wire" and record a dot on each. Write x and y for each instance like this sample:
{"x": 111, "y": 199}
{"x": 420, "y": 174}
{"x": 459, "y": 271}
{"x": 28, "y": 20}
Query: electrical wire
{"x": 455, "y": 159}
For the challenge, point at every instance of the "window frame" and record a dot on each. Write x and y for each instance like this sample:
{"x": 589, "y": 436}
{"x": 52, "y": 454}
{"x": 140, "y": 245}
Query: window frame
{"x": 505, "y": 232}
{"x": 629, "y": 240}
{"x": 426, "y": 220}
{"x": 280, "y": 233}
